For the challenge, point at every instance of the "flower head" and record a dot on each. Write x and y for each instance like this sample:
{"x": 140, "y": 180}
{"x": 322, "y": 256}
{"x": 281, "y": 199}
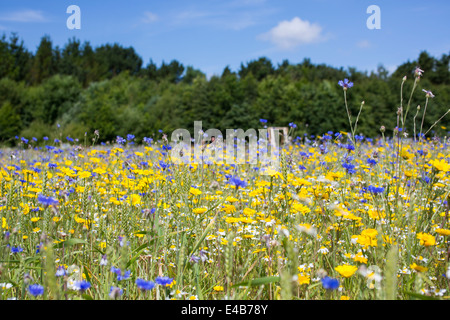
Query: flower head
{"x": 345, "y": 84}
{"x": 36, "y": 290}
{"x": 164, "y": 281}
{"x": 238, "y": 182}
{"x": 418, "y": 72}
{"x": 145, "y": 285}
{"x": 115, "y": 292}
{"x": 47, "y": 201}
{"x": 61, "y": 271}
{"x": 346, "y": 270}
{"x": 82, "y": 285}
{"x": 429, "y": 94}
{"x": 330, "y": 283}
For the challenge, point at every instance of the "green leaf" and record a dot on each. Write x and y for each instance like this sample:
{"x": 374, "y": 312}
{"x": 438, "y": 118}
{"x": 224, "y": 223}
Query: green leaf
{"x": 257, "y": 282}
{"x": 420, "y": 296}
{"x": 86, "y": 272}
{"x": 314, "y": 285}
{"x": 87, "y": 297}
{"x": 70, "y": 242}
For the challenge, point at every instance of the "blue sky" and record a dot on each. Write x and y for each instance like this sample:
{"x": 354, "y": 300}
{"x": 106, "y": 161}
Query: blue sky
{"x": 210, "y": 35}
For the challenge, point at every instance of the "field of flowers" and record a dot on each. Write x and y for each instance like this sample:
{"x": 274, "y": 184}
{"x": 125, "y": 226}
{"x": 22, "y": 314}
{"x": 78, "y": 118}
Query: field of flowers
{"x": 345, "y": 217}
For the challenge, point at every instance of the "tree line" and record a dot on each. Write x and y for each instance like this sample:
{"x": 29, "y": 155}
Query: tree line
{"x": 77, "y": 89}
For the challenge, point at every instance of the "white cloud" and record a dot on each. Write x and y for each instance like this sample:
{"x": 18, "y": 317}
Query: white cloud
{"x": 150, "y": 17}
{"x": 24, "y": 16}
{"x": 364, "y": 44}
{"x": 290, "y": 34}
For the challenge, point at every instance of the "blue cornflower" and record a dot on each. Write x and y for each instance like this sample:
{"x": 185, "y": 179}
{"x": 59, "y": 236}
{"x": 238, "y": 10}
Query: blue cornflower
{"x": 238, "y": 183}
{"x": 45, "y": 138}
{"x": 426, "y": 179}
{"x": 330, "y": 284}
{"x": 120, "y": 140}
{"x": 194, "y": 259}
{"x": 124, "y": 276}
{"x": 115, "y": 270}
{"x": 375, "y": 190}
{"x": 164, "y": 281}
{"x": 69, "y": 139}
{"x": 292, "y": 125}
{"x": 16, "y": 250}
{"x": 82, "y": 285}
{"x": 163, "y": 165}
{"x": 38, "y": 247}
{"x": 36, "y": 290}
{"x": 130, "y": 137}
{"x": 61, "y": 271}
{"x": 115, "y": 292}
{"x": 345, "y": 84}
{"x": 24, "y": 140}
{"x": 372, "y": 162}
{"x": 349, "y": 147}
{"x": 147, "y": 140}
{"x": 34, "y": 139}
{"x": 263, "y": 120}
{"x": 349, "y": 167}
{"x": 145, "y": 285}
{"x": 47, "y": 201}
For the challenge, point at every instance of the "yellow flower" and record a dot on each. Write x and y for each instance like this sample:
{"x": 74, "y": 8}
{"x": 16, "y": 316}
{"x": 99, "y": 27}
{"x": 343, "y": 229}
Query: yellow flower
{"x": 443, "y": 232}
{"x": 4, "y": 224}
{"x": 249, "y": 212}
{"x": 346, "y": 270}
{"x": 218, "y": 288}
{"x": 345, "y": 298}
{"x": 372, "y": 233}
{"x": 418, "y": 268}
{"x": 195, "y": 191}
{"x": 199, "y": 210}
{"x": 301, "y": 208}
{"x": 302, "y": 279}
{"x": 135, "y": 199}
{"x": 114, "y": 200}
{"x": 84, "y": 174}
{"x": 440, "y": 165}
{"x": 426, "y": 239}
{"x": 360, "y": 258}
{"x": 231, "y": 199}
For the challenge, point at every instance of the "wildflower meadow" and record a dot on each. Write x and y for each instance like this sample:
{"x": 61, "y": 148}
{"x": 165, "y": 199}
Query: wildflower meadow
{"x": 344, "y": 216}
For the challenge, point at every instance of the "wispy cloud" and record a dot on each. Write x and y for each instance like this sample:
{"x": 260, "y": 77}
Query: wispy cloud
{"x": 364, "y": 44}
{"x": 290, "y": 34}
{"x": 150, "y": 17}
{"x": 24, "y": 16}
{"x": 235, "y": 15}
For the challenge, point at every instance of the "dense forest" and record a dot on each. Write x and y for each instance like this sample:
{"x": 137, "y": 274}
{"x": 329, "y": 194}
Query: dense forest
{"x": 68, "y": 92}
